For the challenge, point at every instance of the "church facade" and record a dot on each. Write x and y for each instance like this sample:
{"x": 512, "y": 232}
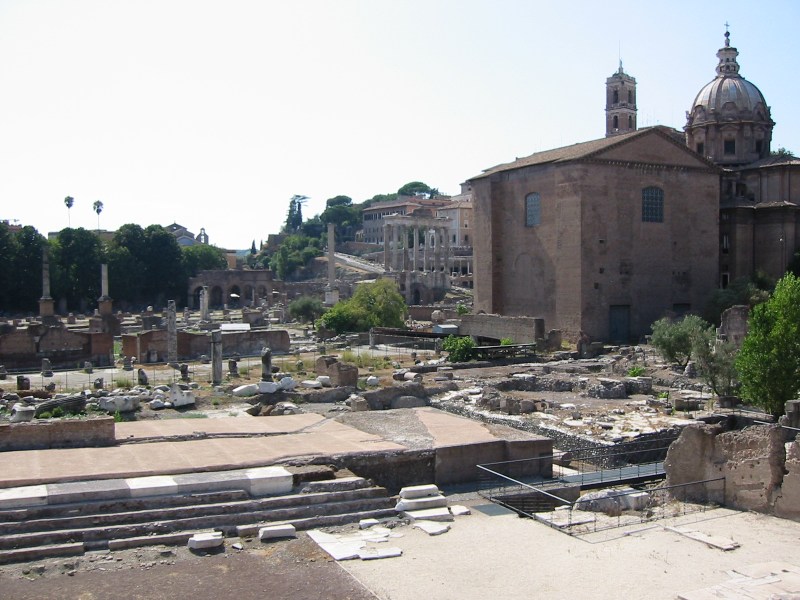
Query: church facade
{"x": 603, "y": 238}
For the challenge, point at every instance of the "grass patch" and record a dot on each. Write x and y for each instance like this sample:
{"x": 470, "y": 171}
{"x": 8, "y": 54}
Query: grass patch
{"x": 635, "y": 371}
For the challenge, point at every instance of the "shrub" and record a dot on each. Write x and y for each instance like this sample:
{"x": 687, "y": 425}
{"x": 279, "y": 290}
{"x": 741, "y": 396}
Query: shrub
{"x": 716, "y": 362}
{"x": 506, "y": 342}
{"x": 636, "y": 371}
{"x": 58, "y": 412}
{"x": 377, "y": 304}
{"x": 459, "y": 349}
{"x": 46, "y": 415}
{"x": 462, "y": 309}
{"x": 673, "y": 339}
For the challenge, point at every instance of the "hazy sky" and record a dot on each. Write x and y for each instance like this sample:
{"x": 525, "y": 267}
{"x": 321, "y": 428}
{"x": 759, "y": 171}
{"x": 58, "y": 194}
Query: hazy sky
{"x": 213, "y": 114}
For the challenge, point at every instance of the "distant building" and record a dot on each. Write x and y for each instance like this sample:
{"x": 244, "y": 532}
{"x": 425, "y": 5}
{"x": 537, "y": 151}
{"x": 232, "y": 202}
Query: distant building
{"x": 374, "y": 214}
{"x": 186, "y": 237}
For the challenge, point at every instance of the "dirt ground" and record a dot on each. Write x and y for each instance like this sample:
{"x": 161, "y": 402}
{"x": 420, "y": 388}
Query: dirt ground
{"x": 490, "y": 553}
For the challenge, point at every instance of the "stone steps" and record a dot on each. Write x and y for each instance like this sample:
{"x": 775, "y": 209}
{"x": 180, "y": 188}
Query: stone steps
{"x": 52, "y": 529}
{"x": 96, "y": 538}
{"x": 97, "y": 507}
{"x": 78, "y": 517}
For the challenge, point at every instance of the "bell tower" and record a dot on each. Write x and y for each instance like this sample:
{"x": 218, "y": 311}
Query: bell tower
{"x": 620, "y": 103}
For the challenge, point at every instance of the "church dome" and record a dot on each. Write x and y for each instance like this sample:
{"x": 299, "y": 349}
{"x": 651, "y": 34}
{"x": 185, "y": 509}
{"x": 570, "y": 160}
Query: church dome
{"x": 729, "y": 121}
{"x": 743, "y": 95}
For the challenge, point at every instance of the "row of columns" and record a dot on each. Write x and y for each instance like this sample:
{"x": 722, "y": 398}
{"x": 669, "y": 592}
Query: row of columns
{"x": 434, "y": 257}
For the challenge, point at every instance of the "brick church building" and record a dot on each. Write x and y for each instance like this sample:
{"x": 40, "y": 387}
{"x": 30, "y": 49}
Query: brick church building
{"x": 606, "y": 236}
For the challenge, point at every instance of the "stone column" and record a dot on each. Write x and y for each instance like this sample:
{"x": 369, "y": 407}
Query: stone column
{"x": 46, "y": 302}
{"x": 204, "y": 312}
{"x": 104, "y": 301}
{"x": 416, "y": 246}
{"x": 395, "y": 246}
{"x": 216, "y": 357}
{"x": 104, "y": 280}
{"x": 446, "y": 252}
{"x": 172, "y": 333}
{"x": 404, "y": 247}
{"x": 387, "y": 232}
{"x": 331, "y": 255}
{"x": 425, "y": 252}
{"x": 266, "y": 364}
{"x": 436, "y": 250}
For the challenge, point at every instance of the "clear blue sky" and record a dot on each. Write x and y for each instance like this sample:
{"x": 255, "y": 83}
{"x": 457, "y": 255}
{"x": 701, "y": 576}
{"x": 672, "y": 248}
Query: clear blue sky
{"x": 213, "y": 114}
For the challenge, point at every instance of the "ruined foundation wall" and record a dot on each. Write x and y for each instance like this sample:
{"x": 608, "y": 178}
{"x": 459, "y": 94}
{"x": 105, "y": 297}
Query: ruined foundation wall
{"x": 66, "y": 433}
{"x": 522, "y": 330}
{"x": 761, "y": 472}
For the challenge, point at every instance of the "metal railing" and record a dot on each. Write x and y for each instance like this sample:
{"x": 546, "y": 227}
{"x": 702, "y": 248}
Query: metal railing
{"x": 581, "y": 515}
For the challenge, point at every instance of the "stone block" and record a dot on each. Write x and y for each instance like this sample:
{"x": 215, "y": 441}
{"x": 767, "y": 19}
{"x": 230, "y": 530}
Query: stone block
{"x": 202, "y": 541}
{"x": 457, "y": 510}
{"x": 419, "y": 491}
{"x": 287, "y": 383}
{"x": 376, "y": 553}
{"x": 428, "y": 514}
{"x": 180, "y": 397}
{"x": 23, "y": 497}
{"x": 358, "y": 403}
{"x": 432, "y": 528}
{"x": 267, "y": 387}
{"x": 114, "y": 404}
{"x": 421, "y": 503}
{"x": 22, "y": 414}
{"x": 325, "y": 380}
{"x": 372, "y": 381}
{"x": 157, "y": 485}
{"x": 343, "y": 375}
{"x": 277, "y": 531}
{"x": 250, "y": 389}
{"x": 312, "y": 384}
{"x": 367, "y": 523}
{"x": 269, "y": 481}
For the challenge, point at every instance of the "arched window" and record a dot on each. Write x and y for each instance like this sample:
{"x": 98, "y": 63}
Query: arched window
{"x": 533, "y": 210}
{"x": 615, "y": 122}
{"x": 630, "y": 122}
{"x": 652, "y": 205}
{"x": 616, "y": 97}
{"x": 630, "y": 96}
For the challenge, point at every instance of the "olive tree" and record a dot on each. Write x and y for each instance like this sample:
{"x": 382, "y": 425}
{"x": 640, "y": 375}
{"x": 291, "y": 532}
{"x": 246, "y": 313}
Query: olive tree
{"x": 673, "y": 339}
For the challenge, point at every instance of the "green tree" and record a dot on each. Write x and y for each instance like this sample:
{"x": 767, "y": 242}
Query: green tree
{"x": 376, "y": 304}
{"x": 769, "y": 360}
{"x": 8, "y": 251}
{"x": 415, "y": 187}
{"x": 294, "y": 253}
{"x": 673, "y": 339}
{"x": 743, "y": 290}
{"x": 75, "y": 258}
{"x": 163, "y": 260}
{"x": 294, "y": 217}
{"x": 716, "y": 361}
{"x": 306, "y": 308}
{"x": 202, "y": 257}
{"x": 344, "y": 214}
{"x": 26, "y": 265}
{"x": 69, "y": 201}
{"x": 98, "y": 208}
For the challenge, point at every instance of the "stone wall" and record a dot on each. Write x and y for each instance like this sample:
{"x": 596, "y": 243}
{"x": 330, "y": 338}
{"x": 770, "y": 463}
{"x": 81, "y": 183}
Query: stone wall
{"x": 24, "y": 348}
{"x": 57, "y": 433}
{"x": 761, "y": 472}
{"x": 193, "y": 345}
{"x": 522, "y": 330}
